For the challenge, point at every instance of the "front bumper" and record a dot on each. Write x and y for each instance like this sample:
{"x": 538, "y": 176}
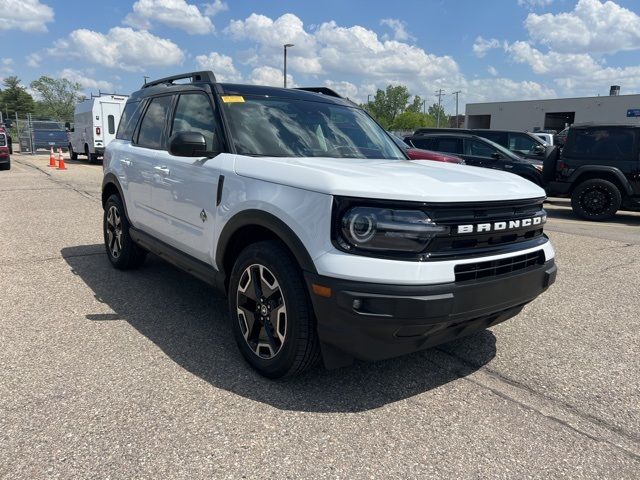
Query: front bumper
{"x": 372, "y": 322}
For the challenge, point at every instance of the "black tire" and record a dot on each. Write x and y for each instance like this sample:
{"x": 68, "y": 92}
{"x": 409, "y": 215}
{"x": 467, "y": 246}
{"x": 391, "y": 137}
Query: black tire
{"x": 293, "y": 348}
{"x": 128, "y": 255}
{"x": 6, "y": 166}
{"x": 596, "y": 199}
{"x": 73, "y": 155}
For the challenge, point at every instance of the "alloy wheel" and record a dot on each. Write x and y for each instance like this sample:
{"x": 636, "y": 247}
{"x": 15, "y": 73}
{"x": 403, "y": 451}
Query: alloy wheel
{"x": 595, "y": 200}
{"x": 114, "y": 231}
{"x": 261, "y": 311}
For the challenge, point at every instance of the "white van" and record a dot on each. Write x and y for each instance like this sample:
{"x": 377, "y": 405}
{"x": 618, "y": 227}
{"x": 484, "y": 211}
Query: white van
{"x": 95, "y": 125}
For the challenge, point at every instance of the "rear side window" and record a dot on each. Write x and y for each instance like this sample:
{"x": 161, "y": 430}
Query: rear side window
{"x": 601, "y": 143}
{"x": 153, "y": 122}
{"x": 111, "y": 124}
{"x": 424, "y": 143}
{"x": 449, "y": 145}
{"x": 128, "y": 121}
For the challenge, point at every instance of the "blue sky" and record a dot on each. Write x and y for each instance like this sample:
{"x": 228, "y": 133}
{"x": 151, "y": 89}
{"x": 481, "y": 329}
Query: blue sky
{"x": 490, "y": 50}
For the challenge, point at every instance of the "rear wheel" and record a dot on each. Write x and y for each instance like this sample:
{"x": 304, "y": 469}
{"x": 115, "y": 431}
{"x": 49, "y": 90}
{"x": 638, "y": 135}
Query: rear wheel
{"x": 6, "y": 166}
{"x": 271, "y": 315}
{"x": 73, "y": 155}
{"x": 596, "y": 199}
{"x": 123, "y": 253}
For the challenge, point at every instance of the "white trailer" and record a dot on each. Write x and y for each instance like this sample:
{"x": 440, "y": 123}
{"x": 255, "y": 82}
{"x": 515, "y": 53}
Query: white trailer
{"x": 95, "y": 124}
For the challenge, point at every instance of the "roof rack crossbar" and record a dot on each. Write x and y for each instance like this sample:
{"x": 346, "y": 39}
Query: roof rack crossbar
{"x": 204, "y": 76}
{"x": 322, "y": 90}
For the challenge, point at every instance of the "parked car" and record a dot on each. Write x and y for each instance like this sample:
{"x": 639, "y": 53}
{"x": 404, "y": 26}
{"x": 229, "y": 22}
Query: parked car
{"x": 5, "y": 154}
{"x": 43, "y": 135}
{"x": 599, "y": 168}
{"x": 480, "y": 152}
{"x": 327, "y": 241}
{"x": 420, "y": 154}
{"x": 524, "y": 144}
{"x": 95, "y": 123}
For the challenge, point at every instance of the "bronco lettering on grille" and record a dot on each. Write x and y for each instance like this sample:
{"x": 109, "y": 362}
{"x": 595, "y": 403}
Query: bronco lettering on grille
{"x": 502, "y": 226}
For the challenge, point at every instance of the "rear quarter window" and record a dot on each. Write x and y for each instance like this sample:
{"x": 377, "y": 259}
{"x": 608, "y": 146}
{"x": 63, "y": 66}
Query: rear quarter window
{"x": 602, "y": 143}
{"x": 128, "y": 121}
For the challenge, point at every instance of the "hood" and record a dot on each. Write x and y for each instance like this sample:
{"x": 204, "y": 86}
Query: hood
{"x": 389, "y": 179}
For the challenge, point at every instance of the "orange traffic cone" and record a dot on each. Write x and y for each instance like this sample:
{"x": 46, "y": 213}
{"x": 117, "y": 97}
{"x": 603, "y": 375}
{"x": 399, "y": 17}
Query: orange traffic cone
{"x": 61, "y": 165}
{"x": 52, "y": 158}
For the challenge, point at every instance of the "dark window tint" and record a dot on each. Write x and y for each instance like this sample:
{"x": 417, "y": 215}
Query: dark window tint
{"x": 194, "y": 114}
{"x": 613, "y": 144}
{"x": 449, "y": 145}
{"x": 111, "y": 122}
{"x": 479, "y": 149}
{"x": 424, "y": 143}
{"x": 498, "y": 137}
{"x": 128, "y": 120}
{"x": 153, "y": 122}
{"x": 520, "y": 142}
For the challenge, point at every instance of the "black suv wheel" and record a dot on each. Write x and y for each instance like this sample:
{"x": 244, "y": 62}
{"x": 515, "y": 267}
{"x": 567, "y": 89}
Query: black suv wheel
{"x": 122, "y": 252}
{"x": 596, "y": 199}
{"x": 271, "y": 315}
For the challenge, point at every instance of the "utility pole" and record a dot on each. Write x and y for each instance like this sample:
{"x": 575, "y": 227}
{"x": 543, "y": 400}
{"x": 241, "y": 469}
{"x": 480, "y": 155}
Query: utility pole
{"x": 145, "y": 81}
{"x": 286, "y": 45}
{"x": 439, "y": 94}
{"x": 456, "y": 94}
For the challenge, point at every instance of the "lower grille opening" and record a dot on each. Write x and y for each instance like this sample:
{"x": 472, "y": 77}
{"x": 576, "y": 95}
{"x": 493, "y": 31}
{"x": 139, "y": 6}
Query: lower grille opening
{"x": 493, "y": 268}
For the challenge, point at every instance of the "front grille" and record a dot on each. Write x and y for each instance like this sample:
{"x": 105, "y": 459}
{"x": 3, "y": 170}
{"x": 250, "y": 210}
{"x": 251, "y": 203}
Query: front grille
{"x": 494, "y": 268}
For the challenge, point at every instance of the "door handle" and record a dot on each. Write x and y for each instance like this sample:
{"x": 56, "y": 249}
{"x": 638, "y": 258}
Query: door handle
{"x": 126, "y": 162}
{"x": 163, "y": 170}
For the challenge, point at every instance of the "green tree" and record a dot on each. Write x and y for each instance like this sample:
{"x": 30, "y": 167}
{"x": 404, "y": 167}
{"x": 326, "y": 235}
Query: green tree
{"x": 437, "y": 112}
{"x": 410, "y": 120}
{"x": 14, "y": 98}
{"x": 58, "y": 97}
{"x": 389, "y": 103}
{"x": 417, "y": 105}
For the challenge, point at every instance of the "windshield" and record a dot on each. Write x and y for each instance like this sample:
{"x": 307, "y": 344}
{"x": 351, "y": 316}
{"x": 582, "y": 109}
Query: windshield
{"x": 279, "y": 127}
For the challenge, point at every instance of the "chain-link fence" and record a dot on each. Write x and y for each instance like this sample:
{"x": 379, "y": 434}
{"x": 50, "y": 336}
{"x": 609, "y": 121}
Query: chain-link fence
{"x": 29, "y": 134}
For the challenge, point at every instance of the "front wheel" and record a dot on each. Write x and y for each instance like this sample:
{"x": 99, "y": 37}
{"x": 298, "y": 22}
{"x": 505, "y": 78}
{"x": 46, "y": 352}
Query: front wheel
{"x": 123, "y": 253}
{"x": 271, "y": 315}
{"x": 73, "y": 155}
{"x": 596, "y": 199}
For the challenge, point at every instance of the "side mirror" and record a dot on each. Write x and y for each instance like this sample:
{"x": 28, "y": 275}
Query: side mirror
{"x": 496, "y": 156}
{"x": 539, "y": 149}
{"x": 187, "y": 144}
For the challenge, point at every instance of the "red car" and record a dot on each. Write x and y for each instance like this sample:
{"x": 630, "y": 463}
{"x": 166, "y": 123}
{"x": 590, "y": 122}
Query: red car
{"x": 420, "y": 154}
{"x": 5, "y": 158}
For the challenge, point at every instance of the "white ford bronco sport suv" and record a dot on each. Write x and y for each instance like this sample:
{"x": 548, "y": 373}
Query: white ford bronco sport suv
{"x": 328, "y": 241}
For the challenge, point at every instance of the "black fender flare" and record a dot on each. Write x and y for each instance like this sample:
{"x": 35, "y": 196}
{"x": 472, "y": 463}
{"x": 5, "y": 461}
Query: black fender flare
{"x": 111, "y": 179}
{"x": 628, "y": 189}
{"x": 270, "y": 222}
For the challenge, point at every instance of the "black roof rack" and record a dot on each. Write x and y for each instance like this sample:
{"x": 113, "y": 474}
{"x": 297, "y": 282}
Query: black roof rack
{"x": 322, "y": 90}
{"x": 204, "y": 76}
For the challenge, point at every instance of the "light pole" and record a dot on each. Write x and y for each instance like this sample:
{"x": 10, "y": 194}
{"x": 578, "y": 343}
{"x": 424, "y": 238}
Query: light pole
{"x": 286, "y": 45}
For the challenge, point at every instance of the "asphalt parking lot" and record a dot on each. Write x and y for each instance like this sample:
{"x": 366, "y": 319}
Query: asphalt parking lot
{"x": 135, "y": 375}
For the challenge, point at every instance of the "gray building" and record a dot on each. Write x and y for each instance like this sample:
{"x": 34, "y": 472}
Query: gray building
{"x": 554, "y": 114}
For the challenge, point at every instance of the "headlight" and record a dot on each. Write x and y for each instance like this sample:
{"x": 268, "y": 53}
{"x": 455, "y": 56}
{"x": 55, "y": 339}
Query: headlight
{"x": 386, "y": 230}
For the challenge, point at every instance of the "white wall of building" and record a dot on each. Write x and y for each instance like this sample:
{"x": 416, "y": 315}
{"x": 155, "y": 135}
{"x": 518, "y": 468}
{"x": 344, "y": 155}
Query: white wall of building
{"x": 530, "y": 114}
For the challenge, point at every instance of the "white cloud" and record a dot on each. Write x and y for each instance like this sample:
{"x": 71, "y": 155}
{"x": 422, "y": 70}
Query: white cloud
{"x": 87, "y": 83}
{"x": 346, "y": 89}
{"x": 33, "y": 60}
{"x": 221, "y": 65}
{"x": 531, "y": 4}
{"x": 270, "y": 76}
{"x": 482, "y": 45}
{"x": 25, "y": 15}
{"x": 492, "y": 71}
{"x": 592, "y": 27}
{"x": 212, "y": 9}
{"x": 6, "y": 66}
{"x": 399, "y": 29}
{"x": 172, "y": 13}
{"x": 122, "y": 48}
{"x": 552, "y": 62}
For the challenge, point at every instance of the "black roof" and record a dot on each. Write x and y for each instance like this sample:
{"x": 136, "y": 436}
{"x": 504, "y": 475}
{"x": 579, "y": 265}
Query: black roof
{"x": 202, "y": 79}
{"x": 465, "y": 134}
